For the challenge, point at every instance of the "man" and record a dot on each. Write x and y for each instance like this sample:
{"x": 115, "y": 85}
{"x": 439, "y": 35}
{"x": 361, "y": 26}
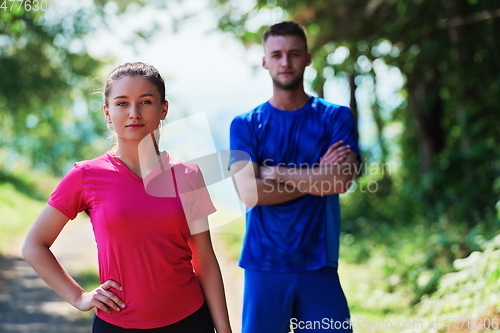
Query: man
{"x": 298, "y": 165}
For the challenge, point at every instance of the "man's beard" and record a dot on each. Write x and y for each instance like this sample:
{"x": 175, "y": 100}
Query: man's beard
{"x": 291, "y": 85}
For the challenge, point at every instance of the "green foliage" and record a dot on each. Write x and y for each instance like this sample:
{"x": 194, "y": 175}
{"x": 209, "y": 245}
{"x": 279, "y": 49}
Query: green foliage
{"x": 232, "y": 237}
{"x": 17, "y": 212}
{"x": 22, "y": 184}
{"x": 44, "y": 71}
{"x": 412, "y": 253}
{"x": 23, "y": 193}
{"x": 88, "y": 279}
{"x": 471, "y": 290}
{"x": 48, "y": 112}
{"x": 371, "y": 294}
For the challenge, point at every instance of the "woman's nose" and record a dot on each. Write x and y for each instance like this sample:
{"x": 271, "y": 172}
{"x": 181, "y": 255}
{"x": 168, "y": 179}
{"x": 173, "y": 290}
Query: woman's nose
{"x": 134, "y": 111}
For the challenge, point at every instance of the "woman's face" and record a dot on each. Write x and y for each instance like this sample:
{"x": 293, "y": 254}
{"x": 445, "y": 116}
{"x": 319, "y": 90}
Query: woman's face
{"x": 135, "y": 108}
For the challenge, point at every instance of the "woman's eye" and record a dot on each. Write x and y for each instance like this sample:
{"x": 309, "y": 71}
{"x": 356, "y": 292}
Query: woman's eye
{"x": 146, "y": 102}
{"x": 121, "y": 104}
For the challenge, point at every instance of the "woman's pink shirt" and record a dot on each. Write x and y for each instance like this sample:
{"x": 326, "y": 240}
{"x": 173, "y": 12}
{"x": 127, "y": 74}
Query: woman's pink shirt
{"x": 141, "y": 234}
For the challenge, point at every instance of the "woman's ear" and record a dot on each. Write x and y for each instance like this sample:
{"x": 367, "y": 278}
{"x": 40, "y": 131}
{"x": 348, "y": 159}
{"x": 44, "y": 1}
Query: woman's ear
{"x": 105, "y": 110}
{"x": 164, "y": 110}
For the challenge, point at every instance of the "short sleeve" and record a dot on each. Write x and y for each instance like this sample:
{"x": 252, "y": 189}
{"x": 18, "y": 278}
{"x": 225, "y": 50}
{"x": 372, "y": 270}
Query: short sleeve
{"x": 202, "y": 203}
{"x": 344, "y": 128}
{"x": 242, "y": 141}
{"x": 68, "y": 197}
{"x": 194, "y": 196}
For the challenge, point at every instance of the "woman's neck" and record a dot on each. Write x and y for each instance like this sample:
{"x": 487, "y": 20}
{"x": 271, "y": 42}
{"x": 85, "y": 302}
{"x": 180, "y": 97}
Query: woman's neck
{"x": 129, "y": 155}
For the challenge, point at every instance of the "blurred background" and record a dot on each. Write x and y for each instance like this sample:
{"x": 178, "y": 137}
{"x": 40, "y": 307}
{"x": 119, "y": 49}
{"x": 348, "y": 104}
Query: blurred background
{"x": 420, "y": 226}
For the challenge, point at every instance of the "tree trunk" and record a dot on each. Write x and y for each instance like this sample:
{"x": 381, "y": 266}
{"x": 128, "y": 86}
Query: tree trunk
{"x": 353, "y": 104}
{"x": 428, "y": 109}
{"x": 456, "y": 36}
{"x": 379, "y": 121}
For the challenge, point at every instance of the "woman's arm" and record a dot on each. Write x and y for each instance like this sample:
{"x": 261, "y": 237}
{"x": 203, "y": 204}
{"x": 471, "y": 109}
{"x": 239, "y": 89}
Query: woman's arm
{"x": 36, "y": 250}
{"x": 208, "y": 272}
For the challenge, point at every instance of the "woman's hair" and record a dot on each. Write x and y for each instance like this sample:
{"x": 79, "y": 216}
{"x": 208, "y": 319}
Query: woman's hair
{"x": 135, "y": 69}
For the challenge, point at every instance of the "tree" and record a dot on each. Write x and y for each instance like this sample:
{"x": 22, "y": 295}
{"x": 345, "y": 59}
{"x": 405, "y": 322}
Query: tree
{"x": 44, "y": 70}
{"x": 49, "y": 115}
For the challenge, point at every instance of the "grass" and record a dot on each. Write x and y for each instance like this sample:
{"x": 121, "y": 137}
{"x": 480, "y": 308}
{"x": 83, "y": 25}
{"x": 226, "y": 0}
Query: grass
{"x": 23, "y": 194}
{"x": 372, "y": 308}
{"x": 17, "y": 213}
{"x": 88, "y": 279}
{"x": 231, "y": 235}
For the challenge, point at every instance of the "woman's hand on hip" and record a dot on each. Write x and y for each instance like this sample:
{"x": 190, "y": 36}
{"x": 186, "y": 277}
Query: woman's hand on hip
{"x": 101, "y": 298}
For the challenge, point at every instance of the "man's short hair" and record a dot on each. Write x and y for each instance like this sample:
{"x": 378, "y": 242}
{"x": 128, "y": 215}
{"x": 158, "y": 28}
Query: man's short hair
{"x": 287, "y": 28}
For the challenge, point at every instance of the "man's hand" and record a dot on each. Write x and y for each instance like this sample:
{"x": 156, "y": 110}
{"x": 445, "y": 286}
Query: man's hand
{"x": 335, "y": 154}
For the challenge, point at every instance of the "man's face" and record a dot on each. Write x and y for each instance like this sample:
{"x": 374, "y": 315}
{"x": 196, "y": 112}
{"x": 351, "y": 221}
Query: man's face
{"x": 286, "y": 59}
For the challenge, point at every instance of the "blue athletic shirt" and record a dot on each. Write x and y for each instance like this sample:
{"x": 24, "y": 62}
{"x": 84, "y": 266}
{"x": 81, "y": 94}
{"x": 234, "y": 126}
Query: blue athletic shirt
{"x": 301, "y": 234}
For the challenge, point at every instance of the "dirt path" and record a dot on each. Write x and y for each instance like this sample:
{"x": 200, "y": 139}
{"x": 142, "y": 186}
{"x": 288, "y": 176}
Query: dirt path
{"x": 27, "y": 305}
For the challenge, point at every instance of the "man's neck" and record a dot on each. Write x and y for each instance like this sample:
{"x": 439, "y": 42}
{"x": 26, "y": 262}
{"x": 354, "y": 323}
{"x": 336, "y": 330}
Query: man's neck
{"x": 289, "y": 100}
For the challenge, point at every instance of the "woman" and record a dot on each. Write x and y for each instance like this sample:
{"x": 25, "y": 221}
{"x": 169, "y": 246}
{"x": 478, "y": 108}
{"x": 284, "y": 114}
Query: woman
{"x": 156, "y": 274}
